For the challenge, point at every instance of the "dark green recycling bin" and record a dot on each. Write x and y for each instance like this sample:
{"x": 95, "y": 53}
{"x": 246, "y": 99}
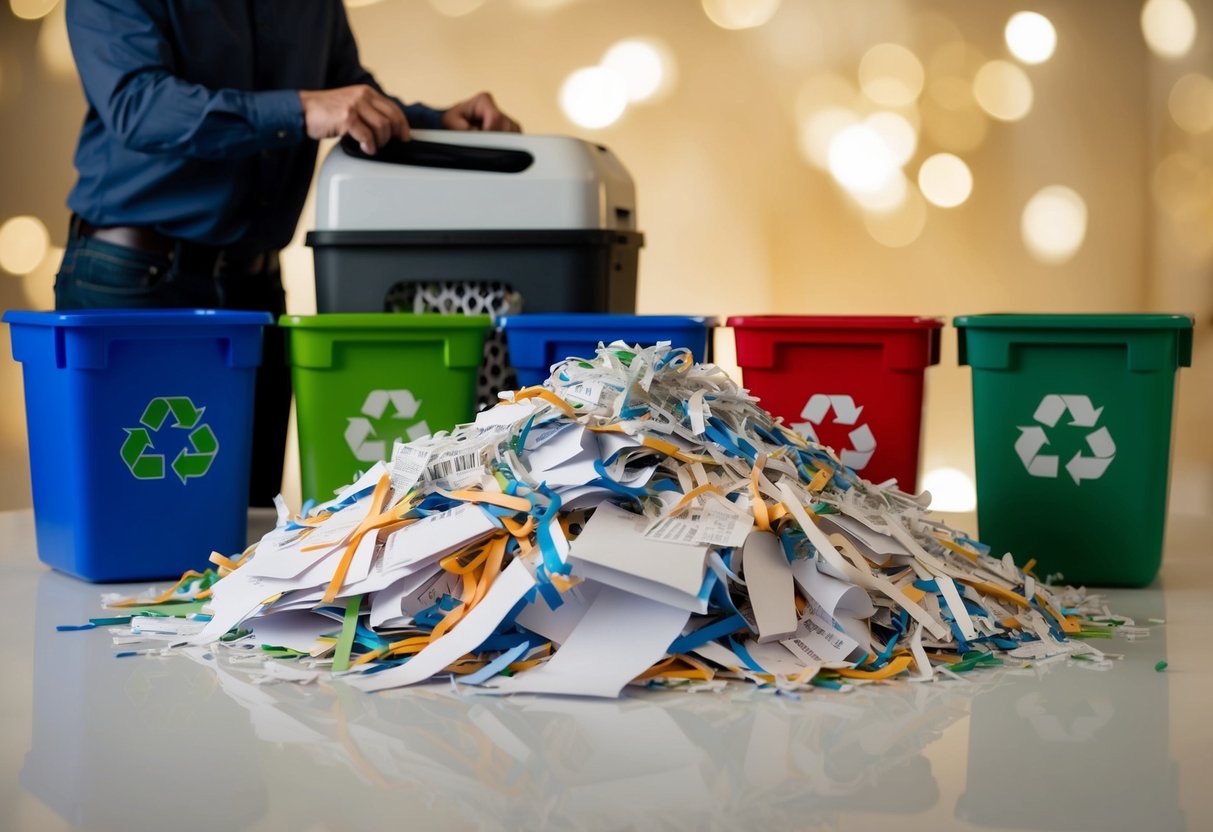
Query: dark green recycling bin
{"x": 1072, "y": 423}
{"x": 363, "y": 381}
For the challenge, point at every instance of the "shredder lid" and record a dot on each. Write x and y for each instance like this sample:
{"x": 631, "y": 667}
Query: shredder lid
{"x": 835, "y": 322}
{"x": 1066, "y": 321}
{"x": 138, "y": 317}
{"x": 476, "y": 185}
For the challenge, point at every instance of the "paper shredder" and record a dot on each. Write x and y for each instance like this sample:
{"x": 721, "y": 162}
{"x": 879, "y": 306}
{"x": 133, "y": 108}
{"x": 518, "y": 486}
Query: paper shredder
{"x": 551, "y": 217}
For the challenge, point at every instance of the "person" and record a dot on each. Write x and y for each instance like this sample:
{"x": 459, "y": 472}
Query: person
{"x": 197, "y": 152}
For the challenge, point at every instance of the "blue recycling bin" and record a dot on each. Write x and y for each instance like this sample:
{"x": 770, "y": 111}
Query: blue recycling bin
{"x": 536, "y": 342}
{"x": 140, "y": 433}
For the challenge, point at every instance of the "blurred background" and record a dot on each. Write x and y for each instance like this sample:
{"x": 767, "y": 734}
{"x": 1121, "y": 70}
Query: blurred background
{"x": 928, "y": 157}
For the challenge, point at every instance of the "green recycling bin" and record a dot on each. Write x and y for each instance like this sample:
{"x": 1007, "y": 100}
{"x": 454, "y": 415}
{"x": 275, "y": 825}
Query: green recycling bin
{"x": 1072, "y": 426}
{"x": 363, "y": 381}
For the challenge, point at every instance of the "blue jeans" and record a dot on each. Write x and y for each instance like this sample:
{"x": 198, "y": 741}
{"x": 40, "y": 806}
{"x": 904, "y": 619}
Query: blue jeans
{"x": 101, "y": 275}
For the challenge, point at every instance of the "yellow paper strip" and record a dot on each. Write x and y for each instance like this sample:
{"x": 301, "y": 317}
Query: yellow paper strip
{"x": 891, "y": 669}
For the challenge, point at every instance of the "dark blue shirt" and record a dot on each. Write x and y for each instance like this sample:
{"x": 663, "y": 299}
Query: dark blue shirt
{"x": 194, "y": 124}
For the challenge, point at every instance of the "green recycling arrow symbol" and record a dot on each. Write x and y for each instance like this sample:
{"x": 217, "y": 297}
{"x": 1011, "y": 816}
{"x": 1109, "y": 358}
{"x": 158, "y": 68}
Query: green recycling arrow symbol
{"x": 190, "y": 462}
{"x": 150, "y": 467}
{"x": 198, "y": 463}
{"x": 181, "y": 407}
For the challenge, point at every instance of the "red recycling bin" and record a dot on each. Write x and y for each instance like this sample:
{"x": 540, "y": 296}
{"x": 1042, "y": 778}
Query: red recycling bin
{"x": 852, "y": 383}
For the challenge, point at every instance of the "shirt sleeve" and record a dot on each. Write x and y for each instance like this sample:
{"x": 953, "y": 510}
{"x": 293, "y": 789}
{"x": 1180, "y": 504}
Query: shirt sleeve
{"x": 345, "y": 69}
{"x": 123, "y": 52}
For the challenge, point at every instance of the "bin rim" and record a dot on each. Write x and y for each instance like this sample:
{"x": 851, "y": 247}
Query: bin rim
{"x": 1066, "y": 321}
{"x": 86, "y": 318}
{"x": 473, "y": 237}
{"x": 578, "y": 320}
{"x": 384, "y": 320}
{"x": 835, "y": 322}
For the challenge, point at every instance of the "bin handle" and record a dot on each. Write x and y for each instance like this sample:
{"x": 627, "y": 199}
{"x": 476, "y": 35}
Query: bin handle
{"x": 425, "y": 154}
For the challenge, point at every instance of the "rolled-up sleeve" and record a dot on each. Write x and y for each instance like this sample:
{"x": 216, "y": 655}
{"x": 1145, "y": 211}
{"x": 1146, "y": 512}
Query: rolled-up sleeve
{"x": 123, "y": 53}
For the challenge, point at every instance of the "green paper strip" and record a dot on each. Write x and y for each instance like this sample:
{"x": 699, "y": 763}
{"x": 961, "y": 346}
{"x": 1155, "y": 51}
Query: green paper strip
{"x": 175, "y": 610}
{"x": 345, "y": 641}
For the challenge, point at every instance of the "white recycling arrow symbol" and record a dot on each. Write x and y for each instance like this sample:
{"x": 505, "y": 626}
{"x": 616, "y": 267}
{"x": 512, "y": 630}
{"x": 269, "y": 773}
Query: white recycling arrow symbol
{"x": 863, "y": 443}
{"x": 360, "y": 433}
{"x": 1032, "y": 439}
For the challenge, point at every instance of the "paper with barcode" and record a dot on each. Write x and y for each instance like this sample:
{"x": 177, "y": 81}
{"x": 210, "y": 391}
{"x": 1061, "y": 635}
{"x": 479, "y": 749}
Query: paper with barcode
{"x": 816, "y": 641}
{"x": 712, "y": 525}
{"x": 408, "y": 465}
{"x": 456, "y": 467}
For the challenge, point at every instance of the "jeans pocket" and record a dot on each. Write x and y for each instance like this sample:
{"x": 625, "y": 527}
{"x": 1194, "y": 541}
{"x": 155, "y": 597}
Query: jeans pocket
{"x": 96, "y": 274}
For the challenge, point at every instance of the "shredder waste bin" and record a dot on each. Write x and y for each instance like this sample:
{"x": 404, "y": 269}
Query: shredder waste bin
{"x": 551, "y": 219}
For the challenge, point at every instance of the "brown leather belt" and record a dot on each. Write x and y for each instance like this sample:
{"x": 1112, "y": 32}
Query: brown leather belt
{"x": 195, "y": 256}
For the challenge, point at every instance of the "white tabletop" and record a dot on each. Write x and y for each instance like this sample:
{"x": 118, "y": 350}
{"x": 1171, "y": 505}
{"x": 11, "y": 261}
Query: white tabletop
{"x": 91, "y": 741}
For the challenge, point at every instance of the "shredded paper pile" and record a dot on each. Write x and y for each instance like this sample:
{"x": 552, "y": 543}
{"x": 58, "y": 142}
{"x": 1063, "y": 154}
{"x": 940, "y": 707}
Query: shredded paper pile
{"x": 639, "y": 519}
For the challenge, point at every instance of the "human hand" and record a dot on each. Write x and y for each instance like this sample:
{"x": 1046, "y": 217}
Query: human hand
{"x": 363, "y": 112}
{"x": 479, "y": 112}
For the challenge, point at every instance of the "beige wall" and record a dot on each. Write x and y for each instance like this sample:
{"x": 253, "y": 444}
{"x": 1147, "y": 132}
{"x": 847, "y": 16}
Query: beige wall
{"x": 735, "y": 219}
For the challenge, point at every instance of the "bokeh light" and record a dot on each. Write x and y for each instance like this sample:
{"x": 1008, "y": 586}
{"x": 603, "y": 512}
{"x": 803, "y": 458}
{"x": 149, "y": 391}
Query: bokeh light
{"x": 39, "y": 284}
{"x": 819, "y": 130}
{"x": 1182, "y": 187}
{"x": 1054, "y": 224}
{"x": 740, "y": 14}
{"x": 456, "y": 8}
{"x": 32, "y": 9}
{"x": 951, "y": 119}
{"x": 958, "y": 131}
{"x": 645, "y": 64}
{"x": 933, "y": 28}
{"x": 594, "y": 97}
{"x": 542, "y": 6}
{"x": 860, "y": 161}
{"x": 23, "y": 244}
{"x": 891, "y": 75}
{"x": 821, "y": 91}
{"x": 897, "y": 133}
{"x": 900, "y": 227}
{"x": 53, "y": 48}
{"x": 1191, "y": 103}
{"x": 957, "y": 58}
{"x": 951, "y": 489}
{"x": 889, "y": 197}
{"x": 799, "y": 43}
{"x": 1169, "y": 27}
{"x": 1031, "y": 37}
{"x": 1003, "y": 90}
{"x": 945, "y": 180}
{"x": 952, "y": 93}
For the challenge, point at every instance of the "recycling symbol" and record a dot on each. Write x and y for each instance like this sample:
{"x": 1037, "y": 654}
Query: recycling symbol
{"x": 360, "y": 433}
{"x": 1032, "y": 439}
{"x": 863, "y": 443}
{"x": 138, "y": 450}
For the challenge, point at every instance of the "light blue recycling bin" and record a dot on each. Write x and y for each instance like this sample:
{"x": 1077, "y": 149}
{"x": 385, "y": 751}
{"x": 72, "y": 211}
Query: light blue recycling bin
{"x": 536, "y": 342}
{"x": 140, "y": 432}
